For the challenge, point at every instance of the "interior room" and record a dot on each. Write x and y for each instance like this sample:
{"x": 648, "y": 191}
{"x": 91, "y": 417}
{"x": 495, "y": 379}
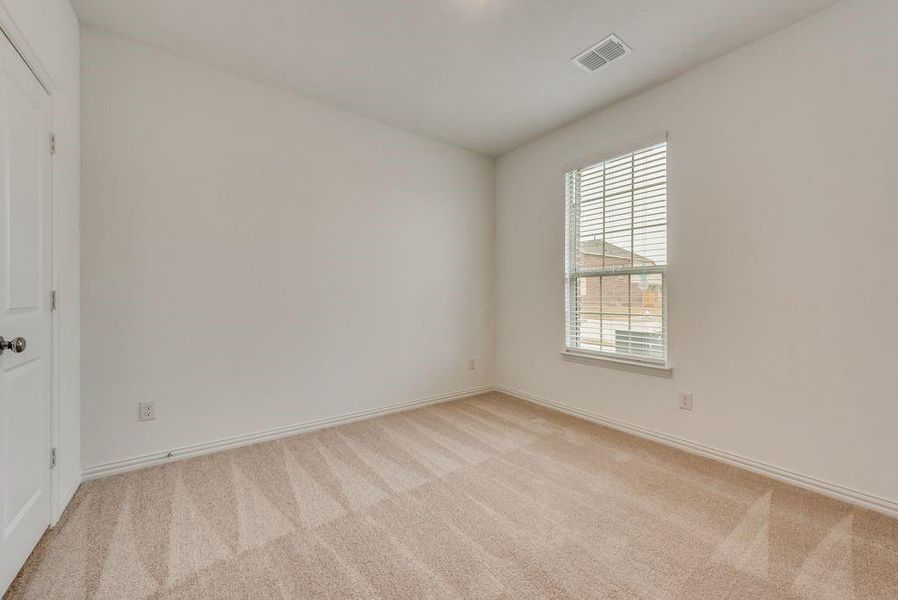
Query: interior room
{"x": 448, "y": 299}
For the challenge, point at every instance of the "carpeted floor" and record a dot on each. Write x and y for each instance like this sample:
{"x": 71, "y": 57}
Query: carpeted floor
{"x": 488, "y": 497}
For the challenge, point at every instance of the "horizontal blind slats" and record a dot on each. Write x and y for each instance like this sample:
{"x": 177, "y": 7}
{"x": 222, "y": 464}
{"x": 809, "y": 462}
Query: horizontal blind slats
{"x": 616, "y": 256}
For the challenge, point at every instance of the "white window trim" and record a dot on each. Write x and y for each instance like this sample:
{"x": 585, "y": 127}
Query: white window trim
{"x": 649, "y": 367}
{"x": 604, "y": 360}
{"x": 614, "y": 151}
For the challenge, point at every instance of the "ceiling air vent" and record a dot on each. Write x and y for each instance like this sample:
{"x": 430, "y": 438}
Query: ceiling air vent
{"x": 609, "y": 49}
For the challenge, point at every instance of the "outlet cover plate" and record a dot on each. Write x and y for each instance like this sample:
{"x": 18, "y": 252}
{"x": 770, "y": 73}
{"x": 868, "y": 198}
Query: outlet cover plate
{"x": 685, "y": 400}
{"x": 146, "y": 411}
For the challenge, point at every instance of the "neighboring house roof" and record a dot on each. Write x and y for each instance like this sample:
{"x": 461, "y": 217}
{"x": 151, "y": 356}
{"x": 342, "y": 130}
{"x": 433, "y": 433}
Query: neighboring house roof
{"x": 601, "y": 247}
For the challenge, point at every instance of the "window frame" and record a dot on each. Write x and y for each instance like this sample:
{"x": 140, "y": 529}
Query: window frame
{"x": 630, "y": 362}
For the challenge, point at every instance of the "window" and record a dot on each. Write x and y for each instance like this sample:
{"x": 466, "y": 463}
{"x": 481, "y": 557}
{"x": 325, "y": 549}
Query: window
{"x": 616, "y": 257}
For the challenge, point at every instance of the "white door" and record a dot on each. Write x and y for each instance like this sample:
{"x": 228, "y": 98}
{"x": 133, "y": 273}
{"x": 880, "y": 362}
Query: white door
{"x": 25, "y": 376}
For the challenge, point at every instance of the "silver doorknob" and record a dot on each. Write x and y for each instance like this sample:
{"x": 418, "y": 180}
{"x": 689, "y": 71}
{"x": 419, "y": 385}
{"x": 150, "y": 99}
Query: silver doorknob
{"x": 16, "y": 344}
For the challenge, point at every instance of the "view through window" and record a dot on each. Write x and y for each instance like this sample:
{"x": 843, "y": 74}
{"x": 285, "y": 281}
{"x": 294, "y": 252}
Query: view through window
{"x": 616, "y": 257}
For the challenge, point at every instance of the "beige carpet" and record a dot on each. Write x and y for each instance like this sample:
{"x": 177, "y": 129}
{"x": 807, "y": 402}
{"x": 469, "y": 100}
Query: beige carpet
{"x": 488, "y": 497}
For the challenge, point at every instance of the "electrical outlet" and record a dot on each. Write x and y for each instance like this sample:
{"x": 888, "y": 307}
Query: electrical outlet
{"x": 472, "y": 364}
{"x": 146, "y": 411}
{"x": 685, "y": 400}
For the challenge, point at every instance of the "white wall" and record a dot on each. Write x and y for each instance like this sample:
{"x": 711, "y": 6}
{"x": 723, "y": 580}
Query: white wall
{"x": 783, "y": 244}
{"x": 252, "y": 259}
{"x": 48, "y": 33}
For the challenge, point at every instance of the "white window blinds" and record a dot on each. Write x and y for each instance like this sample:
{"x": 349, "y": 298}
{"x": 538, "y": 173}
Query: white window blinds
{"x": 616, "y": 257}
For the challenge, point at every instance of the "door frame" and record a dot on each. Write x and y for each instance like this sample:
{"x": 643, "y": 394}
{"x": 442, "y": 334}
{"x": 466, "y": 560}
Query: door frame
{"x": 19, "y": 42}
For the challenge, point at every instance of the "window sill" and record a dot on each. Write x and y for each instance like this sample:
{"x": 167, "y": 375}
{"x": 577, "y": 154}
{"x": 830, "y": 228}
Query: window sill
{"x": 626, "y": 365}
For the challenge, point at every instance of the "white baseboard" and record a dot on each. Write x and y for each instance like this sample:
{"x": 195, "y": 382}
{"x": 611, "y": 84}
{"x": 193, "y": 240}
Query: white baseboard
{"x": 147, "y": 460}
{"x": 826, "y": 488}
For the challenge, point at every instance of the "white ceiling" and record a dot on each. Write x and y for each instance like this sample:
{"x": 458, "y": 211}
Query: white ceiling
{"x": 488, "y": 75}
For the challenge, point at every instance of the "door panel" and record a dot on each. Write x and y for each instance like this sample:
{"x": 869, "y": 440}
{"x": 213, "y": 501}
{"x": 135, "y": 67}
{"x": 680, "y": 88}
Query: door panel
{"x": 24, "y": 239}
{"x": 25, "y": 464}
{"x": 25, "y": 378}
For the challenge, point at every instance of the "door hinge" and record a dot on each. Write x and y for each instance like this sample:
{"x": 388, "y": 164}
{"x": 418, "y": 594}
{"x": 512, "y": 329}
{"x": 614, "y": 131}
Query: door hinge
{"x": 52, "y": 457}
{"x": 53, "y": 300}
{"x": 52, "y": 143}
